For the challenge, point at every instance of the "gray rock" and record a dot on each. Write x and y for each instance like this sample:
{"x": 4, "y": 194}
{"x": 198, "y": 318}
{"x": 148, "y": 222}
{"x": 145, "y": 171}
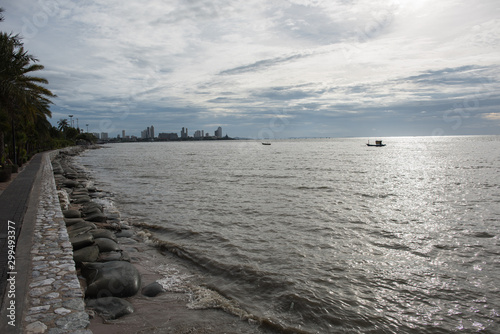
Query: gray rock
{"x": 80, "y": 192}
{"x": 91, "y": 205}
{"x": 73, "y": 221}
{"x": 124, "y": 234}
{"x": 72, "y": 214}
{"x": 110, "y": 307}
{"x": 82, "y": 240}
{"x": 86, "y": 254}
{"x": 70, "y": 183}
{"x": 97, "y": 217}
{"x": 153, "y": 289}
{"x": 103, "y": 233}
{"x": 76, "y": 320}
{"x": 106, "y": 245}
{"x": 91, "y": 211}
{"x": 79, "y": 228}
{"x": 110, "y": 256}
{"x": 81, "y": 199}
{"x": 111, "y": 279}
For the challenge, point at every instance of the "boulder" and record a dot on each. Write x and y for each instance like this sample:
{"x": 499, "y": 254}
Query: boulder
{"x": 70, "y": 183}
{"x": 73, "y": 221}
{"x": 110, "y": 307}
{"x": 91, "y": 211}
{"x": 86, "y": 254}
{"x": 103, "y": 233}
{"x": 111, "y": 279}
{"x": 91, "y": 205}
{"x": 124, "y": 234}
{"x": 80, "y": 192}
{"x": 96, "y": 217}
{"x": 113, "y": 256}
{"x": 72, "y": 214}
{"x": 79, "y": 228}
{"x": 82, "y": 240}
{"x": 80, "y": 199}
{"x": 153, "y": 289}
{"x": 106, "y": 245}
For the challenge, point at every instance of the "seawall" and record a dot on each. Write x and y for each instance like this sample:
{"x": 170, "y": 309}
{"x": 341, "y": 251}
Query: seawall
{"x": 46, "y": 291}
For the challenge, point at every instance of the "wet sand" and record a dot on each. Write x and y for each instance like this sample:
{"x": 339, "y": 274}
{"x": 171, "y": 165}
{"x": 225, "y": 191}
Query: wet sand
{"x": 168, "y": 312}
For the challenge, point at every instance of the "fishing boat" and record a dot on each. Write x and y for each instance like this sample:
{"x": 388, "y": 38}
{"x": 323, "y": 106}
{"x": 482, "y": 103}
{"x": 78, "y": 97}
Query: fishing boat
{"x": 266, "y": 143}
{"x": 378, "y": 143}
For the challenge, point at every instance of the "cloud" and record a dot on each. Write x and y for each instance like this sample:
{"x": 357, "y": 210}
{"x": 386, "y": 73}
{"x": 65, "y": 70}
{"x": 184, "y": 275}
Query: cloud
{"x": 263, "y": 64}
{"x": 191, "y": 63}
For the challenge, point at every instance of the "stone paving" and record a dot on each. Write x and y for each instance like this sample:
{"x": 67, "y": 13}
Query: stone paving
{"x": 55, "y": 302}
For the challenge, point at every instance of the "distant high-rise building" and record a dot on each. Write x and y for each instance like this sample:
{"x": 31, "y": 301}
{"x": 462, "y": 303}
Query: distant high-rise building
{"x": 218, "y": 132}
{"x": 197, "y": 134}
{"x": 168, "y": 136}
{"x": 123, "y": 133}
{"x": 152, "y": 132}
{"x": 104, "y": 135}
{"x": 184, "y": 133}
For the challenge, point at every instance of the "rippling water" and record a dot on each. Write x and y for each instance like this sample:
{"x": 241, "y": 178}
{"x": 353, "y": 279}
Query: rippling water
{"x": 328, "y": 236}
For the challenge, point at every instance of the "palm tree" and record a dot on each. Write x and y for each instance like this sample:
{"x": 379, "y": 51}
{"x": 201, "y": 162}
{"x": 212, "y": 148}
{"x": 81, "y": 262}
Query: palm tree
{"x": 62, "y": 124}
{"x": 22, "y": 98}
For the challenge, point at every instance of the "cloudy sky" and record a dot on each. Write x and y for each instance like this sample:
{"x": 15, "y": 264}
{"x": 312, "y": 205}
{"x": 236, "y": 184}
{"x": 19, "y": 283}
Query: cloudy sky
{"x": 270, "y": 68}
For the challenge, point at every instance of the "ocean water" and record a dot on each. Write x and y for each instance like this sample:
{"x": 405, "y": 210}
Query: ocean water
{"x": 327, "y": 235}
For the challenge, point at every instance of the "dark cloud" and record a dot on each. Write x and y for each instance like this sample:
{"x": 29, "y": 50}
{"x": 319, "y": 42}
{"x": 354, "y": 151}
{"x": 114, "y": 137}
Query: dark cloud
{"x": 263, "y": 64}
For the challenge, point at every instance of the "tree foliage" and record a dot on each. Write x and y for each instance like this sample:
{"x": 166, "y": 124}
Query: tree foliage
{"x": 25, "y": 104}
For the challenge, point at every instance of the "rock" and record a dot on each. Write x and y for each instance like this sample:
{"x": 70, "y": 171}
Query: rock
{"x": 79, "y": 228}
{"x": 80, "y": 199}
{"x": 36, "y": 327}
{"x": 91, "y": 205}
{"x": 80, "y": 192}
{"x": 96, "y": 217}
{"x": 72, "y": 214}
{"x": 111, "y": 279}
{"x": 124, "y": 234}
{"x": 82, "y": 240}
{"x": 153, "y": 289}
{"x": 70, "y": 183}
{"x": 110, "y": 307}
{"x": 103, "y": 233}
{"x": 109, "y": 256}
{"x": 91, "y": 211}
{"x": 86, "y": 254}
{"x": 73, "y": 221}
{"x": 106, "y": 245}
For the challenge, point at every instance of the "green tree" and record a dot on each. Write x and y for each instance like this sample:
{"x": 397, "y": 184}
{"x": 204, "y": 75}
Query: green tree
{"x": 62, "y": 124}
{"x": 23, "y": 99}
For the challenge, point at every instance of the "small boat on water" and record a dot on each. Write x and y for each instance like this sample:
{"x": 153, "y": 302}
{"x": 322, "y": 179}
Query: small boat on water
{"x": 266, "y": 143}
{"x": 378, "y": 143}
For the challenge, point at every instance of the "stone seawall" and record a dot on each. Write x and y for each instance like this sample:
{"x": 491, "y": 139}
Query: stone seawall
{"x": 55, "y": 299}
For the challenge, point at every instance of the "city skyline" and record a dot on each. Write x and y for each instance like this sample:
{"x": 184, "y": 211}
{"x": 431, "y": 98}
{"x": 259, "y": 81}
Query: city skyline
{"x": 151, "y": 133}
{"x": 296, "y": 68}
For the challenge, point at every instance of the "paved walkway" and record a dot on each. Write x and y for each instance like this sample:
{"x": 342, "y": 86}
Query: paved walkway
{"x": 13, "y": 206}
{"x": 42, "y": 286}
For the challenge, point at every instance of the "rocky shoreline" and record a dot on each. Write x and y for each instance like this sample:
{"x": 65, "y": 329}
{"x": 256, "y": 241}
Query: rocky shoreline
{"x": 117, "y": 268}
{"x": 101, "y": 261}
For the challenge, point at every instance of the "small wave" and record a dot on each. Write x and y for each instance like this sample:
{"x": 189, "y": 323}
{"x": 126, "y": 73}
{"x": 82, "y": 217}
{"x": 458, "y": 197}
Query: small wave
{"x": 313, "y": 188}
{"x": 374, "y": 195}
{"x": 204, "y": 298}
{"x": 483, "y": 234}
{"x": 395, "y": 246}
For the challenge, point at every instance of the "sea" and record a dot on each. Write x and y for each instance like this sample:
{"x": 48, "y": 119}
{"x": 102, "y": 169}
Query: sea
{"x": 326, "y": 235}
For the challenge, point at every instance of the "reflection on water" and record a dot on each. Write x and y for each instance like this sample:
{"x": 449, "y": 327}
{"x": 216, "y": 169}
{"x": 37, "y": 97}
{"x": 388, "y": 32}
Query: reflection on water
{"x": 328, "y": 235}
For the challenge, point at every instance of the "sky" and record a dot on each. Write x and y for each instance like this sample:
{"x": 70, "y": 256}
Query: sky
{"x": 268, "y": 69}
